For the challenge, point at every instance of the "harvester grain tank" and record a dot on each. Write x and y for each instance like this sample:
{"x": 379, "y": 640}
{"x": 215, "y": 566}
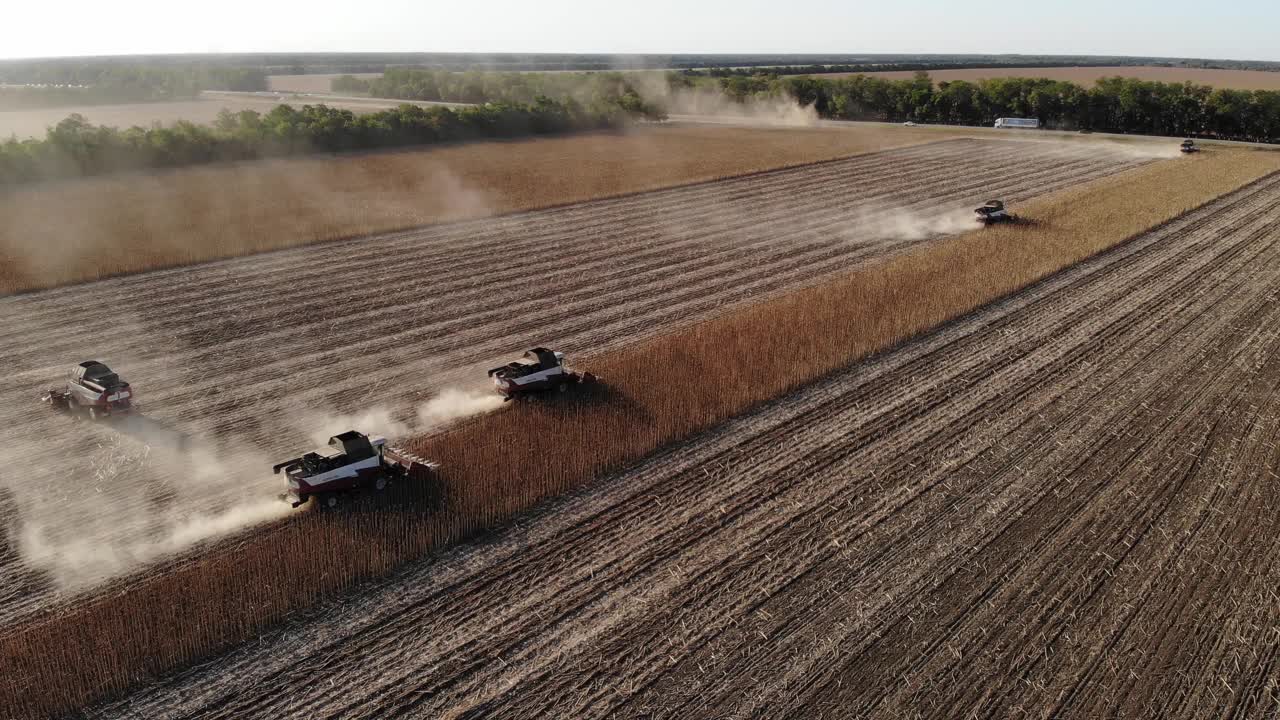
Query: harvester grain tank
{"x": 993, "y": 212}
{"x": 1018, "y": 123}
{"x": 94, "y": 390}
{"x": 1189, "y": 146}
{"x": 543, "y": 370}
{"x": 352, "y": 462}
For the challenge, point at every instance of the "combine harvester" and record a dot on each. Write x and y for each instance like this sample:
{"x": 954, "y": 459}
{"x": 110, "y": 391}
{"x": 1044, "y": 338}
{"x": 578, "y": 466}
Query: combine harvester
{"x": 355, "y": 462}
{"x": 352, "y": 463}
{"x": 1189, "y": 146}
{"x": 92, "y": 390}
{"x": 993, "y": 212}
{"x": 544, "y": 371}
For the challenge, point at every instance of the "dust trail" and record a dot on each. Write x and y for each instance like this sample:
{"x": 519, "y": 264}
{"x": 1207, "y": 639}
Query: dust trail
{"x": 204, "y": 527}
{"x": 711, "y": 102}
{"x": 896, "y": 223}
{"x": 454, "y": 404}
{"x": 447, "y": 406}
{"x": 1137, "y": 149}
{"x": 1143, "y": 150}
{"x": 373, "y": 421}
{"x": 110, "y": 526}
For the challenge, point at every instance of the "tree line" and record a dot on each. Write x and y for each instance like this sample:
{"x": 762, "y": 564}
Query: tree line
{"x": 719, "y": 72}
{"x": 1121, "y": 105}
{"x": 78, "y": 148}
{"x": 593, "y": 90}
{"x": 52, "y": 85}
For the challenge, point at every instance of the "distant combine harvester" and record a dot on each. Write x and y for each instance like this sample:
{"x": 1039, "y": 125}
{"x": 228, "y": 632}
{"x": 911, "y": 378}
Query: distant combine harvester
{"x": 1026, "y": 123}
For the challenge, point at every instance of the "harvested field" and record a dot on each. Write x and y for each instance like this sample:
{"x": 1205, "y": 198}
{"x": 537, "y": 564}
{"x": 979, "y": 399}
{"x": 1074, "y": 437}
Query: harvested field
{"x": 128, "y": 224}
{"x": 163, "y": 643}
{"x": 1233, "y": 79}
{"x": 1062, "y": 502}
{"x": 219, "y": 353}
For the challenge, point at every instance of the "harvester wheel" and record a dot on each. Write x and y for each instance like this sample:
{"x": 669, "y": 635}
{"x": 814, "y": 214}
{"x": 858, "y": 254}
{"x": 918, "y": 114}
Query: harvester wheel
{"x": 93, "y": 413}
{"x": 331, "y": 501}
{"x": 380, "y": 484}
{"x": 562, "y": 387}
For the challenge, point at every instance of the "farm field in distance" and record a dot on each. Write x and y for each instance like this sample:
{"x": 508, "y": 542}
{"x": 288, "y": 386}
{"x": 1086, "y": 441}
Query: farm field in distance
{"x": 1086, "y": 76}
{"x": 34, "y": 122}
{"x": 141, "y": 222}
{"x": 1055, "y": 502}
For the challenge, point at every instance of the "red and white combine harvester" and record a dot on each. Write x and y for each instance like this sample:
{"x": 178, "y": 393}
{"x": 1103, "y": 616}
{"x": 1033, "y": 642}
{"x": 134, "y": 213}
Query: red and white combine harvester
{"x": 352, "y": 462}
{"x": 543, "y": 371}
{"x": 992, "y": 212}
{"x": 92, "y": 390}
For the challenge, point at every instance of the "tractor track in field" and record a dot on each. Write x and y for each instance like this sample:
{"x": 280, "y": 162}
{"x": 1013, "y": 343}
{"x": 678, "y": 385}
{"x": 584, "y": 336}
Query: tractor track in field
{"x": 1063, "y": 503}
{"x": 243, "y": 358}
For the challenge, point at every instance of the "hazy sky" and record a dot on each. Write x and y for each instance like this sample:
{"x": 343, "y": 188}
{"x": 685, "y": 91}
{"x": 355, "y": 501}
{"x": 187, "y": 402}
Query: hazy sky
{"x": 1242, "y": 29}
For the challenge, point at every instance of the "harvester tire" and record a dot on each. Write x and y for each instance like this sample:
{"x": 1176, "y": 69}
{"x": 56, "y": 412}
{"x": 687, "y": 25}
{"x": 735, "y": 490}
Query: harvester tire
{"x": 331, "y": 501}
{"x": 381, "y": 483}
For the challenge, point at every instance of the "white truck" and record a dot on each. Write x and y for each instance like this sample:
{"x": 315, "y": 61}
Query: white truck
{"x": 1025, "y": 123}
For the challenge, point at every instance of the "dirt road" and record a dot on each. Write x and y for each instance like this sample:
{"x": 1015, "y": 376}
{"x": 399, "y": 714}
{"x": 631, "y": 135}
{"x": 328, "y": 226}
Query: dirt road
{"x": 1063, "y": 504}
{"x": 241, "y": 364}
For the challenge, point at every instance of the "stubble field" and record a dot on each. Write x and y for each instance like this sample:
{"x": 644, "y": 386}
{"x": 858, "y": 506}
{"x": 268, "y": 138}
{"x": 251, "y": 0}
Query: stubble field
{"x": 1054, "y": 503}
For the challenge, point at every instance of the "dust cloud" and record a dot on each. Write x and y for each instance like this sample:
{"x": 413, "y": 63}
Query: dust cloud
{"x": 710, "y": 102}
{"x": 373, "y": 421}
{"x": 150, "y": 491}
{"x": 447, "y": 406}
{"x": 109, "y": 524}
{"x": 897, "y": 223}
{"x": 1142, "y": 150}
{"x": 1138, "y": 149}
{"x": 454, "y": 404}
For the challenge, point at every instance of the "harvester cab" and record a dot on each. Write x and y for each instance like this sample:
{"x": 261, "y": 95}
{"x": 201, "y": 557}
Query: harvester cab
{"x": 993, "y": 212}
{"x": 94, "y": 390}
{"x": 1189, "y": 146}
{"x": 542, "y": 370}
{"x": 352, "y": 462}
